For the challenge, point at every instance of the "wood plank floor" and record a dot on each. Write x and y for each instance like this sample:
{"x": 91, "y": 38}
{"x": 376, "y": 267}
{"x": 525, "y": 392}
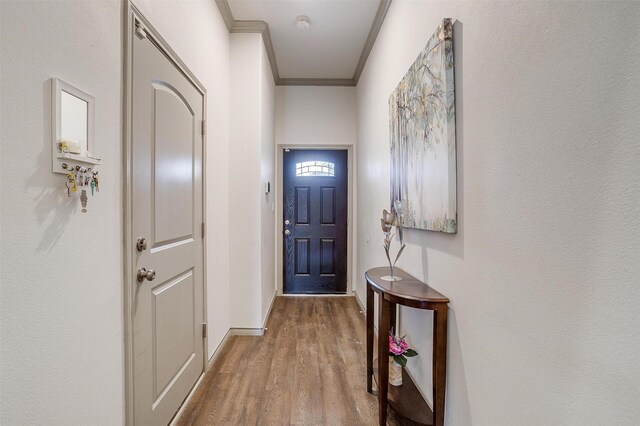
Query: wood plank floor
{"x": 308, "y": 369}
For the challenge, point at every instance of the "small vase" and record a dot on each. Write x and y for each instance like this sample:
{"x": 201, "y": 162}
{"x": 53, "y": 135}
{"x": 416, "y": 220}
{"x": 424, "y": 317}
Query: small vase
{"x": 395, "y": 373}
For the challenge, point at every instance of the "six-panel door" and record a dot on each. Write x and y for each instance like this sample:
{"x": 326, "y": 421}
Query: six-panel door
{"x": 315, "y": 221}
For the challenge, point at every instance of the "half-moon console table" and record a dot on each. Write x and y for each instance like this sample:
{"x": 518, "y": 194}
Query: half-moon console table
{"x": 413, "y": 293}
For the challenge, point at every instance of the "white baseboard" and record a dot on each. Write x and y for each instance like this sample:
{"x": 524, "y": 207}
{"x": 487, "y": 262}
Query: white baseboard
{"x": 247, "y": 331}
{"x": 218, "y": 350}
{"x": 362, "y": 308}
{"x": 257, "y": 331}
{"x": 266, "y": 318}
{"x": 241, "y": 331}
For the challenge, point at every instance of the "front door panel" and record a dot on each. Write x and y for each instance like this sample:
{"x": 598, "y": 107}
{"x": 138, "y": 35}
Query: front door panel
{"x": 315, "y": 221}
{"x": 167, "y": 311}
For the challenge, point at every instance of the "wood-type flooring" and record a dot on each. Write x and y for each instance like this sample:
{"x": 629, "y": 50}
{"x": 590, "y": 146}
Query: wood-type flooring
{"x": 308, "y": 369}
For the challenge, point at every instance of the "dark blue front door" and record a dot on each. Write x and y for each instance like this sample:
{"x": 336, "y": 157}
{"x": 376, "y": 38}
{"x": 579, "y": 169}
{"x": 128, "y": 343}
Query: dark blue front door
{"x": 315, "y": 221}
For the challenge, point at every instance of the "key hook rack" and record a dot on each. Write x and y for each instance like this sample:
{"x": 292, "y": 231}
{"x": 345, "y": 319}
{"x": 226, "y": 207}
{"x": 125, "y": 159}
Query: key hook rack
{"x": 73, "y": 140}
{"x": 83, "y": 180}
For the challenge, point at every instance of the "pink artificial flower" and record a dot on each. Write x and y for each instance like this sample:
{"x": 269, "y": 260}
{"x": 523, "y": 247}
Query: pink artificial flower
{"x": 404, "y": 345}
{"x": 399, "y": 349}
{"x": 396, "y": 347}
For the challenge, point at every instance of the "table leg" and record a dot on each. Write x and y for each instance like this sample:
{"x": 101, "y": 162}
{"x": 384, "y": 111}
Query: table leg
{"x": 439, "y": 363}
{"x": 384, "y": 315}
{"x": 369, "y": 339}
{"x": 393, "y": 324}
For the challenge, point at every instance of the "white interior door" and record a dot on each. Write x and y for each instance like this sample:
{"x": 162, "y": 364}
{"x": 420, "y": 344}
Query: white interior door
{"x": 167, "y": 308}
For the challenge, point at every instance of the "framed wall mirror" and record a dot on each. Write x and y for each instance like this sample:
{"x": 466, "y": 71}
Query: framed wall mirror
{"x": 73, "y": 126}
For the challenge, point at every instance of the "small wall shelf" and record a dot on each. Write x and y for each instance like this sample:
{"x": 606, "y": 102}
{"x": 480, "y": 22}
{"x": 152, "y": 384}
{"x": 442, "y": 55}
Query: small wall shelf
{"x": 80, "y": 158}
{"x": 71, "y": 160}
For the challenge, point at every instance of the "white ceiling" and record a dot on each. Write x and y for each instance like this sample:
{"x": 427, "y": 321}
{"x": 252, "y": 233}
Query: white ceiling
{"x": 332, "y": 45}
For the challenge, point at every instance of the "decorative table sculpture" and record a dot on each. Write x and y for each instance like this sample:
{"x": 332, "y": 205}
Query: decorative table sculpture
{"x": 388, "y": 221}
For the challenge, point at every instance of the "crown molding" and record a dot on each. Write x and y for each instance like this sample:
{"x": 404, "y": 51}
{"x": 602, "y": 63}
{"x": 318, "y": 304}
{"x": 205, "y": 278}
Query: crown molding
{"x": 378, "y": 20}
{"x": 249, "y": 27}
{"x": 261, "y": 27}
{"x": 315, "y": 82}
{"x": 257, "y": 27}
{"x": 271, "y": 54}
{"x": 225, "y": 11}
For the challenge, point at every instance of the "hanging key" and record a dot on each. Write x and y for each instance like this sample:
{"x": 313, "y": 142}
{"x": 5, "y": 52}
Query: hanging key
{"x": 83, "y": 200}
{"x": 73, "y": 182}
{"x": 69, "y": 183}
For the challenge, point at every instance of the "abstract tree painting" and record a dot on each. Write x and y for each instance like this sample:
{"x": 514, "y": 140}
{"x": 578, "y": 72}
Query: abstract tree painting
{"x": 423, "y": 138}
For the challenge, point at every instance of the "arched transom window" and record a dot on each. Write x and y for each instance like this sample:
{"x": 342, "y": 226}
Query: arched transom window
{"x": 315, "y": 168}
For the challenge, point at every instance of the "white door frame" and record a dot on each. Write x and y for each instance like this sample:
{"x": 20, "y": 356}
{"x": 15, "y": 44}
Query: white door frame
{"x": 280, "y": 207}
{"x": 131, "y": 13}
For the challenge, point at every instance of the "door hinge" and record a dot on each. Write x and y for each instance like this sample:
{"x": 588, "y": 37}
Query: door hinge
{"x": 202, "y": 230}
{"x": 141, "y": 31}
{"x": 204, "y": 330}
{"x": 204, "y": 127}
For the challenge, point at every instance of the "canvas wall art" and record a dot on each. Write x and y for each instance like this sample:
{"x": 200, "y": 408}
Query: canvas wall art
{"x": 423, "y": 138}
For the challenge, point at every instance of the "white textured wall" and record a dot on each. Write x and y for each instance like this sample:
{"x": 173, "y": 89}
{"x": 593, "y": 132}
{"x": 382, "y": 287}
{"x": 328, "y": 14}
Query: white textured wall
{"x": 245, "y": 191}
{"x": 251, "y": 164}
{"x": 308, "y": 115}
{"x": 61, "y": 321}
{"x": 543, "y": 275}
{"x": 267, "y": 165}
{"x": 61, "y": 307}
{"x": 204, "y": 48}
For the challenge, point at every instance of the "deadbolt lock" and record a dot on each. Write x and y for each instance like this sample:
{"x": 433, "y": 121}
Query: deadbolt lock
{"x": 141, "y": 245}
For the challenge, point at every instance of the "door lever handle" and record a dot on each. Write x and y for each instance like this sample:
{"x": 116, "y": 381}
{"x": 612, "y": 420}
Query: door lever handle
{"x": 144, "y": 274}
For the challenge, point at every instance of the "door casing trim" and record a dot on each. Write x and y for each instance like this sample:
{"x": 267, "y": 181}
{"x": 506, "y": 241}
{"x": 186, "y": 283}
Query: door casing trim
{"x": 350, "y": 211}
{"x": 131, "y": 12}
